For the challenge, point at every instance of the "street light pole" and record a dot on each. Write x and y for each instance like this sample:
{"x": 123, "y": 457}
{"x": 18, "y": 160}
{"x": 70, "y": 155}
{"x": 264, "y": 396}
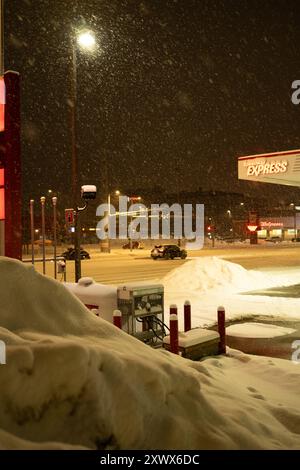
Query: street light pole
{"x": 43, "y": 200}
{"x": 85, "y": 40}
{"x": 108, "y": 223}
{"x": 32, "y": 229}
{"x": 73, "y": 104}
{"x": 54, "y": 202}
{"x": 295, "y": 220}
{"x": 75, "y": 189}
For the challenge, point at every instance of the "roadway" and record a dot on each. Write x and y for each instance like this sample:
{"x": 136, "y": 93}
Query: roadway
{"x": 122, "y": 266}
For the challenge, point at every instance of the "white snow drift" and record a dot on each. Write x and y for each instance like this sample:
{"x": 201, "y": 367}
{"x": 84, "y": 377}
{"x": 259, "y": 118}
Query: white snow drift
{"x": 208, "y": 282}
{"x": 72, "y": 379}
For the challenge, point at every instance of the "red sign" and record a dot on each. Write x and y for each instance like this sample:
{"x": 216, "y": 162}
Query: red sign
{"x": 253, "y": 221}
{"x": 69, "y": 215}
{"x": 134, "y": 198}
{"x": 252, "y": 228}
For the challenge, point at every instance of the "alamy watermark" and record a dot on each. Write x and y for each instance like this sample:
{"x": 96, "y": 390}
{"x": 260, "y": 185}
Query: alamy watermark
{"x": 296, "y": 94}
{"x": 2, "y": 352}
{"x": 159, "y": 221}
{"x": 296, "y": 353}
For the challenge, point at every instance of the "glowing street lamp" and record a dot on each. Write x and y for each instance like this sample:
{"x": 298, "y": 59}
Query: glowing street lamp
{"x": 86, "y": 40}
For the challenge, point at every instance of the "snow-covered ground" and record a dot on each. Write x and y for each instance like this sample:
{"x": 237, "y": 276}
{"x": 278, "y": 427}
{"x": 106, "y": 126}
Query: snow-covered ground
{"x": 72, "y": 379}
{"x": 208, "y": 282}
{"x": 257, "y": 330}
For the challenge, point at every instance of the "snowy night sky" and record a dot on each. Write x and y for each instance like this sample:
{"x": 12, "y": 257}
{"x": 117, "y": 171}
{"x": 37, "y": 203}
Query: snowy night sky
{"x": 176, "y": 90}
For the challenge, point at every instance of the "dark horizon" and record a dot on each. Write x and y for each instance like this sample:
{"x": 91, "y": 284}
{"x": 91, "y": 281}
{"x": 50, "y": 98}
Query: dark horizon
{"x": 176, "y": 92}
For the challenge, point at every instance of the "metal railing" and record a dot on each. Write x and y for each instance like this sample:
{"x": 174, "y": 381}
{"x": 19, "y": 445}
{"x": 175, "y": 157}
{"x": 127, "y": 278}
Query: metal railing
{"x": 62, "y": 268}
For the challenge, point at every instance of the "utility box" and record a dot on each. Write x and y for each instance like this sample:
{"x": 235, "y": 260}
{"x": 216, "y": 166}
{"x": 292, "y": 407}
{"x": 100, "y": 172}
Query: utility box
{"x": 142, "y": 307}
{"x": 196, "y": 344}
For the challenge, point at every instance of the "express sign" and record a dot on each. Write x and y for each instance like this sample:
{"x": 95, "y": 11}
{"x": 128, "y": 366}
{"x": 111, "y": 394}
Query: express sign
{"x": 278, "y": 168}
{"x": 263, "y": 167}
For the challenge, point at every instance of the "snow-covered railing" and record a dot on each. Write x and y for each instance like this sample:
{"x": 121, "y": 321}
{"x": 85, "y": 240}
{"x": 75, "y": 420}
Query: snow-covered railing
{"x": 198, "y": 342}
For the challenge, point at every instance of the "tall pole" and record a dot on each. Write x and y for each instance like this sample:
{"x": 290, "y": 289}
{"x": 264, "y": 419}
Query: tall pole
{"x": 32, "y": 229}
{"x": 43, "y": 199}
{"x": 73, "y": 106}
{"x": 108, "y": 223}
{"x": 130, "y": 225}
{"x": 75, "y": 189}
{"x": 54, "y": 202}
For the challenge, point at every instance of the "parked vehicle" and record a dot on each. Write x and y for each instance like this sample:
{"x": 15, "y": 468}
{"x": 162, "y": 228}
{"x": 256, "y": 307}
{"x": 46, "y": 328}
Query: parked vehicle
{"x": 40, "y": 242}
{"x": 274, "y": 239}
{"x": 69, "y": 254}
{"x": 136, "y": 245}
{"x": 168, "y": 252}
{"x": 229, "y": 238}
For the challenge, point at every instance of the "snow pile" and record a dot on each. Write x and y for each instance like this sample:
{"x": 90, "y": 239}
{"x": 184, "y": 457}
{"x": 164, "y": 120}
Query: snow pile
{"x": 211, "y": 273}
{"x": 72, "y": 379}
{"x": 208, "y": 282}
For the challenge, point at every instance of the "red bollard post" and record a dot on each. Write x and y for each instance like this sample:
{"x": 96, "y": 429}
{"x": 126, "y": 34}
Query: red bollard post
{"x": 117, "y": 319}
{"x": 187, "y": 316}
{"x": 221, "y": 330}
{"x": 174, "y": 346}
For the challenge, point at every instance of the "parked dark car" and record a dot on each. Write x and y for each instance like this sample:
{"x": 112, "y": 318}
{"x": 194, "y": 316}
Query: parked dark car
{"x": 69, "y": 254}
{"x": 136, "y": 245}
{"x": 168, "y": 252}
{"x": 274, "y": 239}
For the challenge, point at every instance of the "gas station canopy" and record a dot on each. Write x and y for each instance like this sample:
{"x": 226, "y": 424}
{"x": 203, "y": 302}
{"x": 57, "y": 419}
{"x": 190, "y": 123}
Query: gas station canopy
{"x": 276, "y": 168}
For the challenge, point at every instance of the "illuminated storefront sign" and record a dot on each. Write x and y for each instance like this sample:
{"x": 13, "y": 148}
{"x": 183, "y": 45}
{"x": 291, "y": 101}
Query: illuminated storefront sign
{"x": 263, "y": 167}
{"x": 269, "y": 224}
{"x": 276, "y": 168}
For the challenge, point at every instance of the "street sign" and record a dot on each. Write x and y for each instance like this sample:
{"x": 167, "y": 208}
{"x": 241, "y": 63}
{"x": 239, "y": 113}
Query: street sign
{"x": 252, "y": 228}
{"x": 69, "y": 216}
{"x": 277, "y": 168}
{"x": 134, "y": 198}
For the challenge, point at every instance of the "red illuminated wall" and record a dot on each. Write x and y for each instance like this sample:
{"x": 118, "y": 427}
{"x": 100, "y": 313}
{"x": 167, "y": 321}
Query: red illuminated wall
{"x": 10, "y": 159}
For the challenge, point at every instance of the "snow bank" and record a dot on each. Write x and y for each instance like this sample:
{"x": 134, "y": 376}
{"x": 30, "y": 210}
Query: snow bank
{"x": 74, "y": 379}
{"x": 208, "y": 282}
{"x": 212, "y": 273}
